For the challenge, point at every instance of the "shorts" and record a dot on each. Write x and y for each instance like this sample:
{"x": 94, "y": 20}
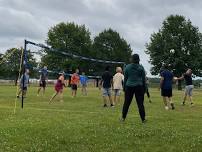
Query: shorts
{"x": 74, "y": 87}
{"x": 84, "y": 85}
{"x": 189, "y": 90}
{"x": 166, "y": 93}
{"x": 58, "y": 89}
{"x": 24, "y": 89}
{"x": 117, "y": 92}
{"x": 42, "y": 84}
{"x": 106, "y": 92}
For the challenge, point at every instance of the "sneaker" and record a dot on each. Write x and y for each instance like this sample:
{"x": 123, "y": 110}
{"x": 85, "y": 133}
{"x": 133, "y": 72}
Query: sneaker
{"x": 150, "y": 101}
{"x": 144, "y": 121}
{"x": 183, "y": 103}
{"x": 18, "y": 96}
{"x": 105, "y": 105}
{"x": 166, "y": 107}
{"x": 172, "y": 106}
{"x": 122, "y": 119}
{"x": 192, "y": 104}
{"x": 112, "y": 105}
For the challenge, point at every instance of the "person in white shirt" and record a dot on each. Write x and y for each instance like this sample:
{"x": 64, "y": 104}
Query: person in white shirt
{"x": 118, "y": 84}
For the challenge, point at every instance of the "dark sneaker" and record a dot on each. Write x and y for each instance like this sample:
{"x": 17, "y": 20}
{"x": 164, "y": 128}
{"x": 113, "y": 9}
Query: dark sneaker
{"x": 183, "y": 103}
{"x": 112, "y": 105}
{"x": 172, "y": 106}
{"x": 18, "y": 96}
{"x": 150, "y": 101}
{"x": 105, "y": 106}
{"x": 192, "y": 104}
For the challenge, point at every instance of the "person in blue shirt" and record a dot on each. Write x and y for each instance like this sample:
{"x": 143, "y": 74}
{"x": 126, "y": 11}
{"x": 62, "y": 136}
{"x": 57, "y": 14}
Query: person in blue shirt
{"x": 84, "y": 81}
{"x": 166, "y": 82}
{"x": 23, "y": 87}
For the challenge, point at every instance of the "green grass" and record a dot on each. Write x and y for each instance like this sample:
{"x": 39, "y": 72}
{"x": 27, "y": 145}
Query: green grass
{"x": 82, "y": 125}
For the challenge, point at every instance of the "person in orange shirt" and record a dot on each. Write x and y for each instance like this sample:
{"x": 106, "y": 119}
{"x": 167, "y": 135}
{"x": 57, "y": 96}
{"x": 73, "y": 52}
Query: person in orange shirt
{"x": 59, "y": 88}
{"x": 74, "y": 82}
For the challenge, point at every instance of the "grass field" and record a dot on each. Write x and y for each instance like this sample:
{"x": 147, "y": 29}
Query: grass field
{"x": 82, "y": 125}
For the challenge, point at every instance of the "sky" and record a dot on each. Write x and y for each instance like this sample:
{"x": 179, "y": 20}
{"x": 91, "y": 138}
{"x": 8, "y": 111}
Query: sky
{"x": 135, "y": 20}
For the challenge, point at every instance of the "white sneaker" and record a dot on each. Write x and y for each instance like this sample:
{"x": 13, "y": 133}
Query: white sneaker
{"x": 166, "y": 107}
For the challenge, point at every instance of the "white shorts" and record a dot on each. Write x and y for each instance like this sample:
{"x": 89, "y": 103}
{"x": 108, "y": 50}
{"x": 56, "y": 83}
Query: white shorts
{"x": 189, "y": 90}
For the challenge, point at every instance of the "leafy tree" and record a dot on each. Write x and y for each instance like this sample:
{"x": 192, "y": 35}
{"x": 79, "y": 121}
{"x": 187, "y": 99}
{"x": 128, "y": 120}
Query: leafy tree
{"x": 12, "y": 62}
{"x": 178, "y": 44}
{"x": 109, "y": 45}
{"x": 70, "y": 38}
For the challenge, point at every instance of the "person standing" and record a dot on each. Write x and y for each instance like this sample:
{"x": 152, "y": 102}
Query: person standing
{"x": 24, "y": 82}
{"x": 106, "y": 83}
{"x": 134, "y": 83}
{"x": 166, "y": 87}
{"x": 188, "y": 86}
{"x": 147, "y": 89}
{"x": 84, "y": 81}
{"x": 42, "y": 80}
{"x": 118, "y": 84}
{"x": 74, "y": 82}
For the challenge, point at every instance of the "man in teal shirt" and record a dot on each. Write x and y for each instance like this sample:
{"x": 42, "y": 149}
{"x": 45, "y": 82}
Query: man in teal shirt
{"x": 134, "y": 83}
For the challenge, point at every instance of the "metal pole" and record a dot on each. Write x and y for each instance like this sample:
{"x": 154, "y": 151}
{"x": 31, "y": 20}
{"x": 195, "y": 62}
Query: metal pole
{"x": 23, "y": 78}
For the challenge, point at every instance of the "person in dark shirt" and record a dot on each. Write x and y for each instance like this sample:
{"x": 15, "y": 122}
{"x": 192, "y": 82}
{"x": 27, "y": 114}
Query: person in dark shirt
{"x": 188, "y": 86}
{"x": 134, "y": 84}
{"x": 166, "y": 81}
{"x": 42, "y": 80}
{"x": 106, "y": 83}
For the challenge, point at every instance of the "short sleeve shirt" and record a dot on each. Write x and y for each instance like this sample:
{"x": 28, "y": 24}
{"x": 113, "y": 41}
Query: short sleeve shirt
{"x": 75, "y": 79}
{"x": 118, "y": 81}
{"x": 188, "y": 79}
{"x": 107, "y": 79}
{"x": 168, "y": 79}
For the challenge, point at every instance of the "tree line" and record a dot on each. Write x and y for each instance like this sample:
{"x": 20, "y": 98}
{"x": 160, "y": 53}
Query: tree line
{"x": 177, "y": 43}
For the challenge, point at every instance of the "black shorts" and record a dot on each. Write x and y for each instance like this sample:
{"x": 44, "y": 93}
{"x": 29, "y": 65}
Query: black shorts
{"x": 74, "y": 87}
{"x": 24, "y": 89}
{"x": 166, "y": 93}
{"x": 42, "y": 84}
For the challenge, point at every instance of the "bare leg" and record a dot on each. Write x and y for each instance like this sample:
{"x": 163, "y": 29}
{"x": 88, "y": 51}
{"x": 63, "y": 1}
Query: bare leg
{"x": 171, "y": 103}
{"x": 61, "y": 96}
{"x": 54, "y": 95}
{"x": 115, "y": 102}
{"x": 39, "y": 89}
{"x": 111, "y": 101}
{"x": 105, "y": 100}
{"x": 44, "y": 89}
{"x": 165, "y": 100}
{"x": 191, "y": 100}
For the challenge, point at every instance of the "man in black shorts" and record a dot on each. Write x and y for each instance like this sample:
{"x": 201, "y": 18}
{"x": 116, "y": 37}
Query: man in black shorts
{"x": 42, "y": 80}
{"x": 166, "y": 88}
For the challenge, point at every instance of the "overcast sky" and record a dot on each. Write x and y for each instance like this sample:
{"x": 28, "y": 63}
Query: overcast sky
{"x": 135, "y": 20}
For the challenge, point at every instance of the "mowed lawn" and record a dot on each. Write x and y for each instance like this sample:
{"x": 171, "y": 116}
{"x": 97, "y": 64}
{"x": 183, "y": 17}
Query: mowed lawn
{"x": 82, "y": 125}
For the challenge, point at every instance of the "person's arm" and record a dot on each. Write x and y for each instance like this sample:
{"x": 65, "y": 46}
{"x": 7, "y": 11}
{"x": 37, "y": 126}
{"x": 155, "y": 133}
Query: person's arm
{"x": 161, "y": 81}
{"x": 144, "y": 80}
{"x": 181, "y": 78}
{"x": 125, "y": 79}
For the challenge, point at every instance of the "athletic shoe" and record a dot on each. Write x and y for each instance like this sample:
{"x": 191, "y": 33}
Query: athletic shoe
{"x": 122, "y": 119}
{"x": 144, "y": 121}
{"x": 192, "y": 104}
{"x": 166, "y": 107}
{"x": 112, "y": 105}
{"x": 150, "y": 101}
{"x": 18, "y": 96}
{"x": 172, "y": 106}
{"x": 183, "y": 103}
{"x": 105, "y": 105}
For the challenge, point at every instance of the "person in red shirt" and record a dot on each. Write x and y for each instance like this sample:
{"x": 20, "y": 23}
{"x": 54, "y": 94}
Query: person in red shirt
{"x": 74, "y": 82}
{"x": 59, "y": 88}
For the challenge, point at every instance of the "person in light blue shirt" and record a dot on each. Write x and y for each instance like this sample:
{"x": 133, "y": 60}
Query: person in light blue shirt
{"x": 84, "y": 81}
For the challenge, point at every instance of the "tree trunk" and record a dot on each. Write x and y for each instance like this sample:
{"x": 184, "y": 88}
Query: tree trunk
{"x": 179, "y": 84}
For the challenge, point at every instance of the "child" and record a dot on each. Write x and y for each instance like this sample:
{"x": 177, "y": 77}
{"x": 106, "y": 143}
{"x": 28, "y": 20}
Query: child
{"x": 84, "y": 80}
{"x": 74, "y": 82}
{"x": 118, "y": 84}
{"x": 59, "y": 88}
